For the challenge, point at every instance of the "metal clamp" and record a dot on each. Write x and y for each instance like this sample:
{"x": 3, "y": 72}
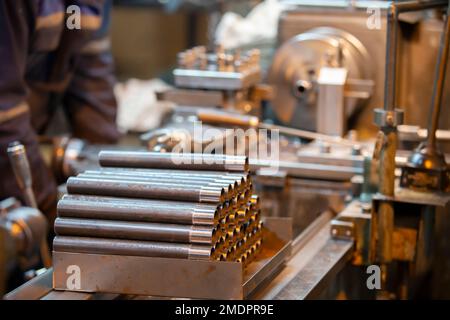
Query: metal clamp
{"x": 343, "y": 230}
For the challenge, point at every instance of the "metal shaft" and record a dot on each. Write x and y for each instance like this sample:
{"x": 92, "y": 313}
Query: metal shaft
{"x": 230, "y": 188}
{"x": 141, "y": 189}
{"x": 109, "y": 208}
{"x": 238, "y": 182}
{"x": 134, "y": 230}
{"x": 439, "y": 82}
{"x": 243, "y": 178}
{"x": 391, "y": 59}
{"x": 307, "y": 134}
{"x": 131, "y": 248}
{"x": 194, "y": 161}
{"x": 222, "y": 117}
{"x": 192, "y": 173}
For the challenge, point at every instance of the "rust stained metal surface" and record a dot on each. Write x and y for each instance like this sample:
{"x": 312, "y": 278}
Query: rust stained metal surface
{"x": 404, "y": 242}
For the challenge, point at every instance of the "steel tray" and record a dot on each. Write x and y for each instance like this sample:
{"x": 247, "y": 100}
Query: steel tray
{"x": 167, "y": 277}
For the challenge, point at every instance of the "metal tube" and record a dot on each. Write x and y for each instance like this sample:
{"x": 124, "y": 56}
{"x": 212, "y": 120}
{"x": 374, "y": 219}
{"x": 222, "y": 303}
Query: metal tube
{"x": 131, "y": 248}
{"x": 238, "y": 182}
{"x": 439, "y": 82}
{"x": 134, "y": 230}
{"x": 108, "y": 208}
{"x": 391, "y": 59}
{"x": 231, "y": 187}
{"x": 140, "y": 189}
{"x": 243, "y": 179}
{"x": 172, "y": 172}
{"x": 194, "y": 161}
{"x": 188, "y": 174}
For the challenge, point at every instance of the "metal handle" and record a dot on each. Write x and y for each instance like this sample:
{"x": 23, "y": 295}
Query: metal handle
{"x": 19, "y": 162}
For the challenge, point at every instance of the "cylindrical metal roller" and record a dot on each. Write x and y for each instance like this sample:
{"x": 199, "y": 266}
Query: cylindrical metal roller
{"x": 231, "y": 187}
{"x": 109, "y": 208}
{"x": 245, "y": 176}
{"x": 142, "y": 189}
{"x": 239, "y": 182}
{"x": 189, "y": 161}
{"x": 134, "y": 230}
{"x": 131, "y": 248}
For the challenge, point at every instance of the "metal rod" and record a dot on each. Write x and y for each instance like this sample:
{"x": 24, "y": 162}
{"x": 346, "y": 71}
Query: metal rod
{"x": 131, "y": 248}
{"x": 231, "y": 187}
{"x": 238, "y": 182}
{"x": 107, "y": 208}
{"x": 134, "y": 230}
{"x": 195, "y": 161}
{"x": 439, "y": 82}
{"x": 391, "y": 59}
{"x": 203, "y": 173}
{"x": 140, "y": 189}
{"x": 307, "y": 134}
{"x": 227, "y": 118}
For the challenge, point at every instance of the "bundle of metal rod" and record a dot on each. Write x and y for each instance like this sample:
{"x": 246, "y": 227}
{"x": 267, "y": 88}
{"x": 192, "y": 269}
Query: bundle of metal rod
{"x": 243, "y": 175}
{"x": 144, "y": 205}
{"x": 183, "y": 161}
{"x": 244, "y": 230}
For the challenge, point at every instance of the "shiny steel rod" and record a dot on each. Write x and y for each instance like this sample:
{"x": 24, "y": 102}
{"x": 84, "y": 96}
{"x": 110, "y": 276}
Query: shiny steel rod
{"x": 194, "y": 161}
{"x": 131, "y": 248}
{"x": 202, "y": 173}
{"x": 239, "y": 183}
{"x": 231, "y": 187}
{"x": 142, "y": 189}
{"x": 163, "y": 211}
{"x": 134, "y": 230}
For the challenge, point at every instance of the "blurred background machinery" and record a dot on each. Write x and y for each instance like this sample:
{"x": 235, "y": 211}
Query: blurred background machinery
{"x": 304, "y": 42}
